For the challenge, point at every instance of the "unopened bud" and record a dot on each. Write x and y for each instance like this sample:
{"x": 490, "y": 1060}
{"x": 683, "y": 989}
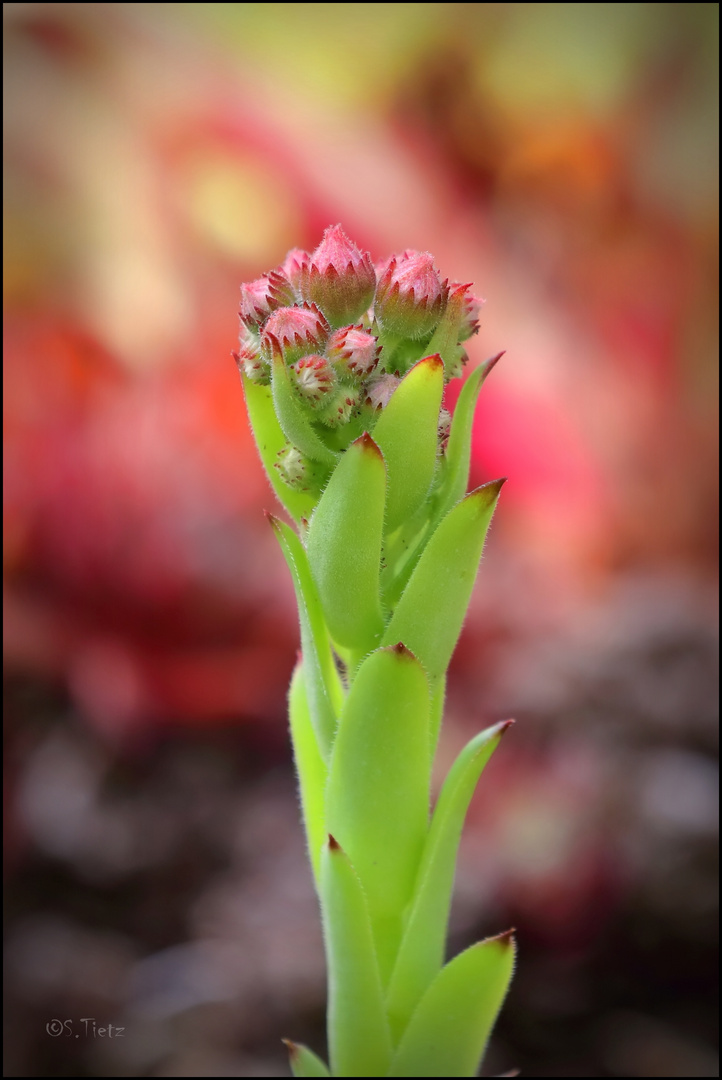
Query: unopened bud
{"x": 314, "y": 378}
{"x": 297, "y": 471}
{"x": 380, "y": 389}
{"x": 293, "y": 332}
{"x": 470, "y": 307}
{"x": 338, "y": 407}
{"x": 339, "y": 277}
{"x": 410, "y": 296}
{"x": 353, "y": 350}
{"x": 259, "y": 298}
{"x": 250, "y": 360}
{"x": 444, "y": 428}
{"x": 291, "y": 267}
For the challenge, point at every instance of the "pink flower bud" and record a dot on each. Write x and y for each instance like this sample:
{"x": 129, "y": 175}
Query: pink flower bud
{"x": 259, "y": 298}
{"x": 469, "y": 322}
{"x": 292, "y": 264}
{"x": 297, "y": 471}
{"x": 250, "y": 359}
{"x": 444, "y": 428}
{"x": 339, "y": 277}
{"x": 353, "y": 350}
{"x": 314, "y": 378}
{"x": 411, "y": 296}
{"x": 339, "y": 405}
{"x": 380, "y": 389}
{"x": 293, "y": 332}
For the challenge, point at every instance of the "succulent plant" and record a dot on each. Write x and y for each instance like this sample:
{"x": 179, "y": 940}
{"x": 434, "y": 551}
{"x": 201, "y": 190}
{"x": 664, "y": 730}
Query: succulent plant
{"x": 344, "y": 374}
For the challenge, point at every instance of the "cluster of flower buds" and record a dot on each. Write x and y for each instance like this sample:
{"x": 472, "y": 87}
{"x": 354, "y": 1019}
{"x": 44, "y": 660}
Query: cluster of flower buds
{"x": 333, "y": 335}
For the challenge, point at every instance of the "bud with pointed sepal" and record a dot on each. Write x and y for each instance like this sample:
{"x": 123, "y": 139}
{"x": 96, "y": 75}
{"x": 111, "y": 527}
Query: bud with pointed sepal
{"x": 456, "y": 325}
{"x": 338, "y": 406}
{"x": 339, "y": 277}
{"x": 410, "y": 296}
{"x": 259, "y": 298}
{"x": 353, "y": 350}
{"x": 380, "y": 390}
{"x": 293, "y": 332}
{"x": 249, "y": 358}
{"x": 469, "y": 323}
{"x": 292, "y": 265}
{"x": 299, "y": 472}
{"x": 315, "y": 379}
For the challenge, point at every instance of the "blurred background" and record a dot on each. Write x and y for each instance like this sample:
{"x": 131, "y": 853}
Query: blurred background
{"x": 561, "y": 156}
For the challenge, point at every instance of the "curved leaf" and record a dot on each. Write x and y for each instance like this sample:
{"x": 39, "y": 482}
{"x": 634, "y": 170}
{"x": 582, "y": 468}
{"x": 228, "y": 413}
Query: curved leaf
{"x": 406, "y": 432}
{"x": 304, "y": 1062}
{"x": 377, "y": 799}
{"x": 422, "y": 948}
{"x": 311, "y": 768}
{"x": 358, "y": 1033}
{"x": 323, "y": 686}
{"x": 456, "y": 460}
{"x": 432, "y": 608}
{"x": 344, "y": 546}
{"x": 271, "y": 441}
{"x": 292, "y": 418}
{"x": 448, "y": 1032}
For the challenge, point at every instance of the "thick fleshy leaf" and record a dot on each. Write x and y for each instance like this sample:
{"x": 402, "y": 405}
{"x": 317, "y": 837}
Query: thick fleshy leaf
{"x": 407, "y": 435}
{"x": 271, "y": 441}
{"x": 294, "y": 420}
{"x": 377, "y": 799}
{"x": 358, "y": 1032}
{"x": 454, "y": 477}
{"x": 344, "y": 546}
{"x": 430, "y": 613}
{"x": 323, "y": 686}
{"x": 312, "y": 769}
{"x": 304, "y": 1062}
{"x": 422, "y": 948}
{"x": 449, "y": 1030}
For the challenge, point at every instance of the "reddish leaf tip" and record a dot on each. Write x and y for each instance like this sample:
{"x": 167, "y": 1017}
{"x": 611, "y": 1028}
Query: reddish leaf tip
{"x": 434, "y": 362}
{"x": 492, "y": 362}
{"x": 292, "y": 1047}
{"x": 506, "y": 939}
{"x": 399, "y": 649}
{"x": 365, "y": 442}
{"x": 333, "y": 844}
{"x": 272, "y": 520}
{"x": 505, "y": 726}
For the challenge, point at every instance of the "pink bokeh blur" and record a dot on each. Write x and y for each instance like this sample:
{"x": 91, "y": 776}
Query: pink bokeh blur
{"x": 561, "y": 157}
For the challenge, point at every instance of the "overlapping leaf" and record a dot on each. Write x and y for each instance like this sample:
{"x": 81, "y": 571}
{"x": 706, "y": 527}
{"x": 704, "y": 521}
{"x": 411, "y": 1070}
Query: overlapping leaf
{"x": 344, "y": 546}
{"x": 358, "y": 1033}
{"x": 377, "y": 798}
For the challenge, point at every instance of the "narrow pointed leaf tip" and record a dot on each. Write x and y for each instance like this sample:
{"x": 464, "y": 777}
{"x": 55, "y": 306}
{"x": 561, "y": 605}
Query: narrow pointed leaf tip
{"x": 401, "y": 650}
{"x": 365, "y": 442}
{"x": 303, "y": 1061}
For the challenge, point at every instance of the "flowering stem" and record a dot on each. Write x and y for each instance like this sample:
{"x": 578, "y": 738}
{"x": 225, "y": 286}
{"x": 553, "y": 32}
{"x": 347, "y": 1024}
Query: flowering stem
{"x": 350, "y": 427}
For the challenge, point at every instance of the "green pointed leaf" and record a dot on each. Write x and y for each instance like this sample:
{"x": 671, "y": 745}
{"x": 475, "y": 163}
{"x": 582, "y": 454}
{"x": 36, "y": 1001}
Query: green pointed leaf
{"x": 312, "y": 769}
{"x": 294, "y": 421}
{"x": 456, "y": 461}
{"x": 448, "y": 1032}
{"x": 422, "y": 948}
{"x": 304, "y": 1062}
{"x": 432, "y": 608}
{"x": 377, "y": 799}
{"x": 445, "y": 339}
{"x": 358, "y": 1033}
{"x": 271, "y": 441}
{"x": 344, "y": 546}
{"x": 323, "y": 686}
{"x": 406, "y": 432}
